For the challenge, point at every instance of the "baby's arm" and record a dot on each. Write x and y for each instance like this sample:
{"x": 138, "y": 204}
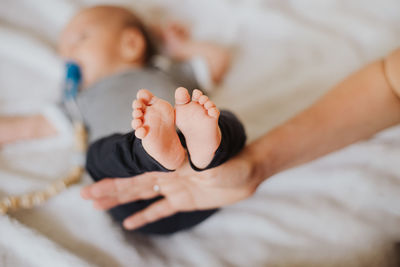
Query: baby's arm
{"x": 180, "y": 46}
{"x": 18, "y": 128}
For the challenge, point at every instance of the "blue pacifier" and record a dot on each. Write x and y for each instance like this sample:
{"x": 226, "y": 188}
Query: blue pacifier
{"x": 73, "y": 78}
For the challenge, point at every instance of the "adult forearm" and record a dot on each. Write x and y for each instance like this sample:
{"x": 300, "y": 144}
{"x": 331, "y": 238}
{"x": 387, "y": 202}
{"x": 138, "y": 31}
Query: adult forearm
{"x": 357, "y": 108}
{"x": 18, "y": 128}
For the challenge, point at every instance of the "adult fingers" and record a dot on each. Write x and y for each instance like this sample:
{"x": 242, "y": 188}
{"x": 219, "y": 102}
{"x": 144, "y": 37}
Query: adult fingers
{"x": 115, "y": 186}
{"x": 148, "y": 191}
{"x": 152, "y": 213}
{"x": 127, "y": 196}
{"x": 123, "y": 190}
{"x": 105, "y": 203}
{"x": 105, "y": 187}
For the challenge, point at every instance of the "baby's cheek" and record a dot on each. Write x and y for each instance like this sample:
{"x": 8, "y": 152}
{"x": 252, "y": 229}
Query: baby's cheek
{"x": 88, "y": 69}
{"x": 97, "y": 59}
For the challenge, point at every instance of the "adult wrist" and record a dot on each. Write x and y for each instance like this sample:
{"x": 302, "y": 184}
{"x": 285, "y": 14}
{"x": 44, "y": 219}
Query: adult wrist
{"x": 258, "y": 166}
{"x": 267, "y": 157}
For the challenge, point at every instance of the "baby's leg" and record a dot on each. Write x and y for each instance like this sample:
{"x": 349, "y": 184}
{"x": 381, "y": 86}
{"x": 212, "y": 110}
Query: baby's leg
{"x": 211, "y": 137}
{"x": 198, "y": 121}
{"x": 124, "y": 156}
{"x": 154, "y": 123}
{"x": 127, "y": 155}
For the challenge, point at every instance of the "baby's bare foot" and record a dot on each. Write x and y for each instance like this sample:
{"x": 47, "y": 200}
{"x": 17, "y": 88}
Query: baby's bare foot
{"x": 198, "y": 121}
{"x": 154, "y": 123}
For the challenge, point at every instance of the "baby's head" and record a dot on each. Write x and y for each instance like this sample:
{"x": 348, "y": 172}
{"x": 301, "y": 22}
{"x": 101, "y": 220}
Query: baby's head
{"x": 104, "y": 40}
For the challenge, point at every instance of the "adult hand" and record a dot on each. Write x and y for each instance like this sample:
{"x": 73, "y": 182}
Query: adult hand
{"x": 183, "y": 190}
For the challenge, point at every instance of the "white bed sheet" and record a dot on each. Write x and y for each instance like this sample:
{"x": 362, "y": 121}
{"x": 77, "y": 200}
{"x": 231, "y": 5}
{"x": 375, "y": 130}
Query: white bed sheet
{"x": 342, "y": 210}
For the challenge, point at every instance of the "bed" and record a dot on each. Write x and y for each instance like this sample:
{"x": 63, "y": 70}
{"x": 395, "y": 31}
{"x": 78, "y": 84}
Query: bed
{"x": 341, "y": 210}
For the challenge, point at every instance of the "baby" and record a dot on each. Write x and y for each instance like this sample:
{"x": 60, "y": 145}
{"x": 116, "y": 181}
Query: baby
{"x": 114, "y": 52}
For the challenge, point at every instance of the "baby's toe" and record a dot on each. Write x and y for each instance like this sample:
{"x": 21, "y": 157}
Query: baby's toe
{"x": 182, "y": 96}
{"x": 203, "y": 99}
{"x": 137, "y": 113}
{"x": 145, "y": 95}
{"x": 196, "y": 95}
{"x": 136, "y": 123}
{"x": 141, "y": 132}
{"x": 138, "y": 104}
{"x": 213, "y": 112}
{"x": 209, "y": 104}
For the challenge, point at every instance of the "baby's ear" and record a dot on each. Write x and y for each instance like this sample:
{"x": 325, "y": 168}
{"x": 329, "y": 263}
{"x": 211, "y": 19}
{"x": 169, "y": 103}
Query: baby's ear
{"x": 133, "y": 45}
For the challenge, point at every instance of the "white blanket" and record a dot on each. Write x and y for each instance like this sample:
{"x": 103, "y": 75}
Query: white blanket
{"x": 342, "y": 210}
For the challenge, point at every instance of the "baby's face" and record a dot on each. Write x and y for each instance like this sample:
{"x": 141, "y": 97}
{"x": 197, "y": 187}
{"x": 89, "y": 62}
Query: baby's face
{"x": 94, "y": 43}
